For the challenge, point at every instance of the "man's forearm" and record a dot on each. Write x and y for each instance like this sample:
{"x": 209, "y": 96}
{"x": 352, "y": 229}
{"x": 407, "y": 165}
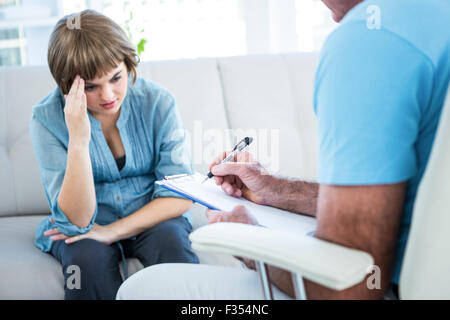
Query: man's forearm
{"x": 282, "y": 279}
{"x": 156, "y": 211}
{"x": 293, "y": 195}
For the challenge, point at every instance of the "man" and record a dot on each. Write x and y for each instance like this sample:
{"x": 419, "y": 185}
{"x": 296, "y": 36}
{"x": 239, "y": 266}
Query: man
{"x": 379, "y": 91}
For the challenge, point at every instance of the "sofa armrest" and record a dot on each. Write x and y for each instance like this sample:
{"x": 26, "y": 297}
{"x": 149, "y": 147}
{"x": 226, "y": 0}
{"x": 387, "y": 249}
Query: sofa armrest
{"x": 323, "y": 262}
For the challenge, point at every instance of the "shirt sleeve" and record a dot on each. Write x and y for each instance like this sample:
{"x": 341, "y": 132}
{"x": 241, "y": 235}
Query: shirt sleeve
{"x": 172, "y": 151}
{"x": 371, "y": 89}
{"x": 52, "y": 158}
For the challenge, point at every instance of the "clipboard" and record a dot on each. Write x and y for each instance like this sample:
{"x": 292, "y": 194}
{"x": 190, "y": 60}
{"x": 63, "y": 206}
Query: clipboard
{"x": 181, "y": 182}
{"x": 213, "y": 197}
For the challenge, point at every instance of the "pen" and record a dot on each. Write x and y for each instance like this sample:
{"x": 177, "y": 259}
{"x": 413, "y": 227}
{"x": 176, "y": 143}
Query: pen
{"x": 238, "y": 148}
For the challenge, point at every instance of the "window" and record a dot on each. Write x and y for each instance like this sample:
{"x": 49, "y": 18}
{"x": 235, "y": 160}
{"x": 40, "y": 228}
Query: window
{"x": 12, "y": 43}
{"x": 173, "y": 29}
{"x": 25, "y": 26}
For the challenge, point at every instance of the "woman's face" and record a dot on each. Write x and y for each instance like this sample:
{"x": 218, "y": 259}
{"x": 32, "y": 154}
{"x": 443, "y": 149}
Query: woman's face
{"x": 105, "y": 95}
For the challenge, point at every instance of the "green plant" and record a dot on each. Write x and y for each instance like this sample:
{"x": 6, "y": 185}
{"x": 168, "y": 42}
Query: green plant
{"x": 140, "y": 45}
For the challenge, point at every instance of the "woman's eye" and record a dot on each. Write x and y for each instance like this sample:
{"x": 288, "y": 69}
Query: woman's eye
{"x": 116, "y": 79}
{"x": 89, "y": 88}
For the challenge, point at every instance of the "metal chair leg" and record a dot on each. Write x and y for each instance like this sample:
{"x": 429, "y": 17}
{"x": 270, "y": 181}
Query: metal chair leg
{"x": 299, "y": 287}
{"x": 263, "y": 277}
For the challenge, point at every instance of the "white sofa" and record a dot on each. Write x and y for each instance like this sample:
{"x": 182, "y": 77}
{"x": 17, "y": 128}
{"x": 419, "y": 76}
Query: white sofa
{"x": 268, "y": 96}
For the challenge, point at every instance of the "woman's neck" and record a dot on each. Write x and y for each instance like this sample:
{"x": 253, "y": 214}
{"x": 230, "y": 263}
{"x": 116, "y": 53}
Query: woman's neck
{"x": 108, "y": 122}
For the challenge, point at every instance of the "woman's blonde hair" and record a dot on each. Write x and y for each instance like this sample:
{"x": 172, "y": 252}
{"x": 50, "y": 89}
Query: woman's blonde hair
{"x": 91, "y": 49}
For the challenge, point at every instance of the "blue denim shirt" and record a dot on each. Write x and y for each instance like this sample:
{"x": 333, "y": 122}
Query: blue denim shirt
{"x": 154, "y": 140}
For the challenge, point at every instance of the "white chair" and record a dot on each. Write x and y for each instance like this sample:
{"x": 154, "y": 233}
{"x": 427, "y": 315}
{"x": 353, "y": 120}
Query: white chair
{"x": 426, "y": 265}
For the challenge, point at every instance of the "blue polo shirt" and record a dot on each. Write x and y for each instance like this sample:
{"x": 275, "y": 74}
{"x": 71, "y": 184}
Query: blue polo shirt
{"x": 153, "y": 136}
{"x": 379, "y": 91}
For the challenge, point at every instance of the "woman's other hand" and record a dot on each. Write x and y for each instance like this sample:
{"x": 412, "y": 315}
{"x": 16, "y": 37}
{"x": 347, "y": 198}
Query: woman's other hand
{"x": 100, "y": 233}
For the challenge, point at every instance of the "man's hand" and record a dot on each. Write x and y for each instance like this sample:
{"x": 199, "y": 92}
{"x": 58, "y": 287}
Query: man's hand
{"x": 242, "y": 177}
{"x": 247, "y": 178}
{"x": 239, "y": 215}
{"x": 100, "y": 233}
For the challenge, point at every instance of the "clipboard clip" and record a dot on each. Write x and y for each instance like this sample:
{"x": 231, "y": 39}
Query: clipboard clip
{"x": 181, "y": 178}
{"x": 175, "y": 177}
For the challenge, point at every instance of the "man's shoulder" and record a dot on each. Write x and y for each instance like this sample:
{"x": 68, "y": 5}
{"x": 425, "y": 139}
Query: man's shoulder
{"x": 422, "y": 24}
{"x": 401, "y": 12}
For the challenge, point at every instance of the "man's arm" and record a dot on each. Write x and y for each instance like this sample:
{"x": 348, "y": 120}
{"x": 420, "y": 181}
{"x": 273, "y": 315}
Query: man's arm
{"x": 366, "y": 218}
{"x": 293, "y": 195}
{"x": 247, "y": 178}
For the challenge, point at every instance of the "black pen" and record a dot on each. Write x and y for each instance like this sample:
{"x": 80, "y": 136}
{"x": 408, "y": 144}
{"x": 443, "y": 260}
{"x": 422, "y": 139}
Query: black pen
{"x": 238, "y": 148}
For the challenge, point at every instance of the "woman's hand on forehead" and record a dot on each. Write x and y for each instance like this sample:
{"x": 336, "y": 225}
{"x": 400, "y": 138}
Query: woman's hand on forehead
{"x": 76, "y": 117}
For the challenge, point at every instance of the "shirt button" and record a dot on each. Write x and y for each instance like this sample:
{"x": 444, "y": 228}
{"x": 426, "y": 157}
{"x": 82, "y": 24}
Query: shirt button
{"x": 117, "y": 198}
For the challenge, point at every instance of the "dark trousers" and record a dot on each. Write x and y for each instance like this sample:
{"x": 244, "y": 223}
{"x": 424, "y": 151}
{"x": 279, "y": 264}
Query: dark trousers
{"x": 98, "y": 264}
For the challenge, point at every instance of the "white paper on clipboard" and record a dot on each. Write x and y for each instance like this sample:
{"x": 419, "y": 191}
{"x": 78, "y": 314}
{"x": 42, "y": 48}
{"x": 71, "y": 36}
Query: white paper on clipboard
{"x": 213, "y": 197}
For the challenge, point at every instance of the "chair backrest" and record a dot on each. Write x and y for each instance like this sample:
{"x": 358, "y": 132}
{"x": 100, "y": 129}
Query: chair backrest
{"x": 426, "y": 266}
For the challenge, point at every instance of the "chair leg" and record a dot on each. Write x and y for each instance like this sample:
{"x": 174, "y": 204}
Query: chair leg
{"x": 264, "y": 278}
{"x": 299, "y": 287}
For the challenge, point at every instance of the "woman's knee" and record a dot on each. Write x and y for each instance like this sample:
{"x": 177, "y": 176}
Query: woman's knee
{"x": 89, "y": 254}
{"x": 168, "y": 242}
{"x": 90, "y": 268}
{"x": 172, "y": 234}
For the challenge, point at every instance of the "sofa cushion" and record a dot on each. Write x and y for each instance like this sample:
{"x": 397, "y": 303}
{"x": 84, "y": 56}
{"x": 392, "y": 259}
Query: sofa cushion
{"x": 28, "y": 273}
{"x": 25, "y": 271}
{"x": 20, "y": 89}
{"x": 301, "y": 68}
{"x": 197, "y": 89}
{"x": 259, "y": 101}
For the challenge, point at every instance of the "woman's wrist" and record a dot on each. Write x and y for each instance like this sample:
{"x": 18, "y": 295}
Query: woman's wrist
{"x": 78, "y": 144}
{"x": 113, "y": 232}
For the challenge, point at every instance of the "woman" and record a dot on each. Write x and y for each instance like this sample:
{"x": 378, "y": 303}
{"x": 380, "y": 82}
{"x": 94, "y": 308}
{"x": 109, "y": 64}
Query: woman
{"x": 102, "y": 139}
